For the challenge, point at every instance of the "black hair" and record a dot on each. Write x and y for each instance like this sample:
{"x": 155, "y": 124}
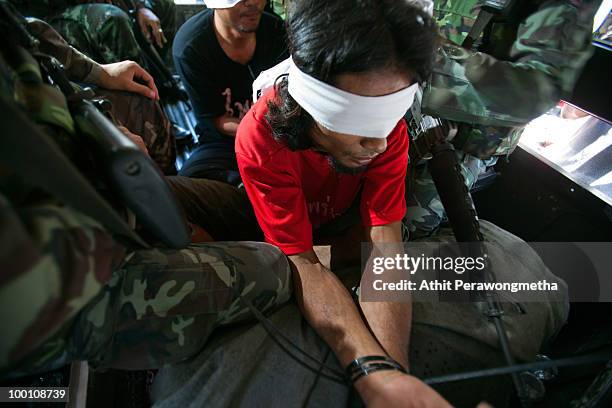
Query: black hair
{"x": 328, "y": 38}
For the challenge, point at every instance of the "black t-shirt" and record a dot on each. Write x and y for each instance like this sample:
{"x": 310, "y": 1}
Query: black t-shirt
{"x": 214, "y": 82}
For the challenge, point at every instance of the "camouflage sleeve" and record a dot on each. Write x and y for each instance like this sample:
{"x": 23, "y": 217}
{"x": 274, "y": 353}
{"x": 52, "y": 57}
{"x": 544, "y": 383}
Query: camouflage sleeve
{"x": 278, "y": 6}
{"x": 40, "y": 8}
{"x": 79, "y": 67}
{"x": 53, "y": 261}
{"x": 551, "y": 47}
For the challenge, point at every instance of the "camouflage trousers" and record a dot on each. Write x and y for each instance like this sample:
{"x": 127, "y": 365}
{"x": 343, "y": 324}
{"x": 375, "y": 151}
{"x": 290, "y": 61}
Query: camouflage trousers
{"x": 145, "y": 118}
{"x": 425, "y": 212}
{"x": 105, "y": 33}
{"x": 161, "y": 306}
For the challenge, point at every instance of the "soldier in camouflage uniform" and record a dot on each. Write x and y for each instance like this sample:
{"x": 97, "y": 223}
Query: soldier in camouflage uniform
{"x": 140, "y": 112}
{"x": 104, "y": 31}
{"x": 222, "y": 215}
{"x": 69, "y": 291}
{"x": 492, "y": 96}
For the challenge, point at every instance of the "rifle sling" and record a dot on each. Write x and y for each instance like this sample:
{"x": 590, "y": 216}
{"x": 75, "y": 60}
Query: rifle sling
{"x": 454, "y": 195}
{"x": 483, "y": 19}
{"x": 422, "y": 146}
{"x": 448, "y": 179}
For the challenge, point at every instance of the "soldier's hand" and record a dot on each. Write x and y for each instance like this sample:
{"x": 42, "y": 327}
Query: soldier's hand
{"x": 150, "y": 26}
{"x": 128, "y": 76}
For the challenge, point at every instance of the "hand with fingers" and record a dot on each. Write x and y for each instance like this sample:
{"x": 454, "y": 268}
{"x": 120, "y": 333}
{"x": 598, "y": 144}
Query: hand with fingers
{"x": 128, "y": 76}
{"x": 150, "y": 26}
{"x": 387, "y": 389}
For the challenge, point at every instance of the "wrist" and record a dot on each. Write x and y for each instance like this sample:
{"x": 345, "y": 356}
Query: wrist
{"x": 371, "y": 385}
{"x": 368, "y": 364}
{"x": 368, "y": 373}
{"x": 103, "y": 77}
{"x": 95, "y": 74}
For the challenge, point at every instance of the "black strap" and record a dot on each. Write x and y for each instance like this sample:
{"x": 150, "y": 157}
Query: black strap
{"x": 421, "y": 147}
{"x": 483, "y": 19}
{"x": 449, "y": 181}
{"x": 28, "y": 152}
{"x": 366, "y": 365}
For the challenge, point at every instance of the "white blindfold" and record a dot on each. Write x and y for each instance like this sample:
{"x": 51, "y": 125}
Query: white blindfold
{"x": 338, "y": 110}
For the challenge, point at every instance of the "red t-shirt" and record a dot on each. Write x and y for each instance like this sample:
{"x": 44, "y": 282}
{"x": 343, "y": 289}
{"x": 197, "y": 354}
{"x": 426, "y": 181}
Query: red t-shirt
{"x": 294, "y": 192}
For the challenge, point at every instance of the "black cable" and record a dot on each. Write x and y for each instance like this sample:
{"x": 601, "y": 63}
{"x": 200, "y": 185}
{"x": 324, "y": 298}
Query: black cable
{"x": 273, "y": 331}
{"x": 316, "y": 380}
{"x": 504, "y": 342}
{"x": 336, "y": 375}
{"x": 542, "y": 365}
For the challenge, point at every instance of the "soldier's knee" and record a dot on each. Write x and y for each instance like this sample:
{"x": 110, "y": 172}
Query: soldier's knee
{"x": 273, "y": 261}
{"x": 117, "y": 18}
{"x": 268, "y": 270}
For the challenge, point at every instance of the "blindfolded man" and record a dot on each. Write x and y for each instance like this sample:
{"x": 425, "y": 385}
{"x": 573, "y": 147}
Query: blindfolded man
{"x": 329, "y": 135}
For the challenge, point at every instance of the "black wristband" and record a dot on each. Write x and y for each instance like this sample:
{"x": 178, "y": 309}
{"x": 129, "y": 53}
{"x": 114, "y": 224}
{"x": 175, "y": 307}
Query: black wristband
{"x": 366, "y": 365}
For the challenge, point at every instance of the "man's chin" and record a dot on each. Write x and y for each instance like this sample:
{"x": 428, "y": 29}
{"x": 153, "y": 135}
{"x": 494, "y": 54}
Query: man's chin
{"x": 248, "y": 25}
{"x": 247, "y": 30}
{"x": 342, "y": 168}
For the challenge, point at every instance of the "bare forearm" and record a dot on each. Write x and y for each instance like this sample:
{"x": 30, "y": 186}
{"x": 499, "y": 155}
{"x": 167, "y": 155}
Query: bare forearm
{"x": 389, "y": 321}
{"x": 330, "y": 310}
{"x": 323, "y": 297}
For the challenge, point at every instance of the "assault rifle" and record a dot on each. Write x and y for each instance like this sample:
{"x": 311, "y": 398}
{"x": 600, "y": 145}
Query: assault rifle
{"x": 169, "y": 87}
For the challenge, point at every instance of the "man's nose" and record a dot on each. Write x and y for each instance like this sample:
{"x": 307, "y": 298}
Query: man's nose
{"x": 374, "y": 144}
